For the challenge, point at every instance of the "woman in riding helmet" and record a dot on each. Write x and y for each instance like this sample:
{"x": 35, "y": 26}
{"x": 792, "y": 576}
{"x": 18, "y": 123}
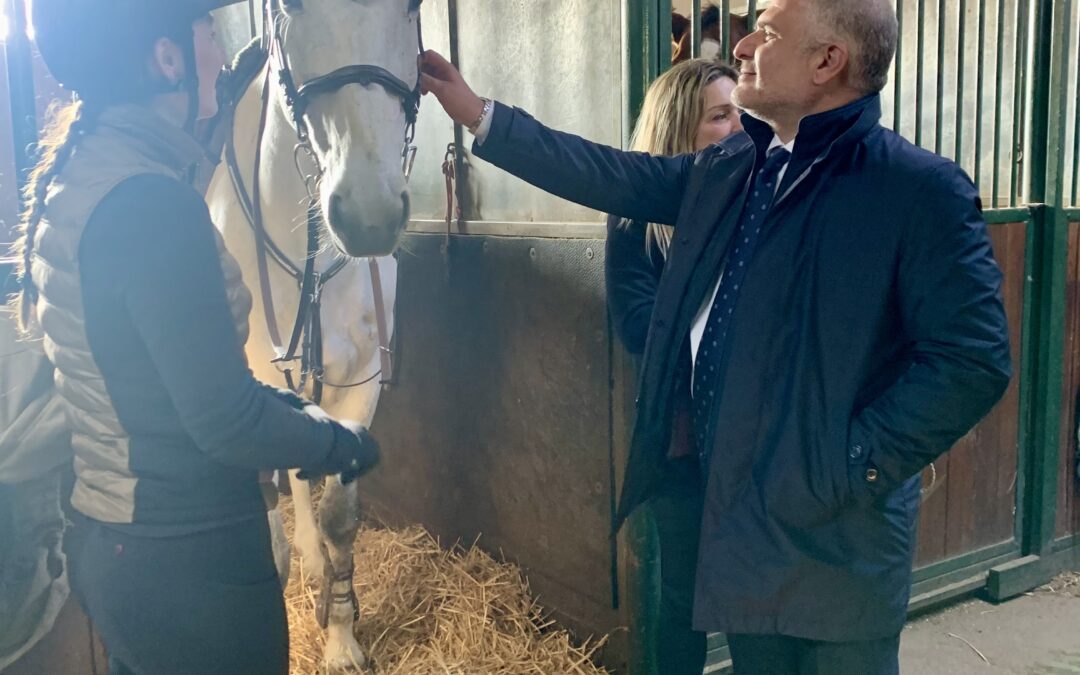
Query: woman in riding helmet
{"x": 144, "y": 316}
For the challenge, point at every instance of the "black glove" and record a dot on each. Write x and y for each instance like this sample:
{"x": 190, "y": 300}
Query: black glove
{"x": 354, "y": 454}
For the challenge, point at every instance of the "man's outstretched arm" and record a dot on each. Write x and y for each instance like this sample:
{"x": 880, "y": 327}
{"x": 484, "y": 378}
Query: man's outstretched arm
{"x": 633, "y": 185}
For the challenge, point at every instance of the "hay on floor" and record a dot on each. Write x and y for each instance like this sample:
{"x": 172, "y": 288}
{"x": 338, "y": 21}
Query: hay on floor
{"x": 429, "y": 610}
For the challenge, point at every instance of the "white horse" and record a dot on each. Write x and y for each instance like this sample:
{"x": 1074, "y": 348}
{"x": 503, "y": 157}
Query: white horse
{"x": 323, "y": 123}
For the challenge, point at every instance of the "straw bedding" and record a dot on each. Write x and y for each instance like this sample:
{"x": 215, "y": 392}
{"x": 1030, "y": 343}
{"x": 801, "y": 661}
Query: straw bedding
{"x": 425, "y": 610}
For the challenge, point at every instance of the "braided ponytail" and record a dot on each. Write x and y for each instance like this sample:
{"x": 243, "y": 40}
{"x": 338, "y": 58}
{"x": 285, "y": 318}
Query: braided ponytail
{"x": 57, "y": 142}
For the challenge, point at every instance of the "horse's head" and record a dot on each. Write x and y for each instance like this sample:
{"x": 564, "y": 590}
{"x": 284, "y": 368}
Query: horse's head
{"x": 353, "y": 63}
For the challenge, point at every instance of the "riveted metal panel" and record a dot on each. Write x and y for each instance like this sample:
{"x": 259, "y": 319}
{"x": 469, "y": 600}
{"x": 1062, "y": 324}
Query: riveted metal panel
{"x": 500, "y": 424}
{"x": 559, "y": 59}
{"x": 434, "y": 130}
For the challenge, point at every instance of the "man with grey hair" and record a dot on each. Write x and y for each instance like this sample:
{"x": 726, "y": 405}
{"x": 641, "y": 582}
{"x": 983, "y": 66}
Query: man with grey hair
{"x": 830, "y": 299}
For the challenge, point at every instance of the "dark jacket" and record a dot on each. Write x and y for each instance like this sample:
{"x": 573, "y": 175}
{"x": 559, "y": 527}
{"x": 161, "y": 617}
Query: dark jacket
{"x": 869, "y": 337}
{"x": 632, "y": 272}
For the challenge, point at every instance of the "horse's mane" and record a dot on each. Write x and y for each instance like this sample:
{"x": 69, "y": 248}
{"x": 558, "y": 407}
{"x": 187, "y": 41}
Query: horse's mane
{"x": 239, "y": 74}
{"x": 231, "y": 85}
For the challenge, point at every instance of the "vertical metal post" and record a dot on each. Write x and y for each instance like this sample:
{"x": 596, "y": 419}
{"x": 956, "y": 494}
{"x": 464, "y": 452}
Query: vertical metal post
{"x": 253, "y": 27}
{"x": 961, "y": 35}
{"x": 920, "y": 60}
{"x": 998, "y": 101}
{"x": 1049, "y": 107}
{"x": 1076, "y": 121}
{"x": 20, "y": 82}
{"x": 1023, "y": 24}
{"x": 663, "y": 51}
{"x": 980, "y": 91}
{"x": 648, "y": 45}
{"x": 695, "y": 23}
{"x": 939, "y": 92}
{"x": 725, "y": 27}
{"x": 898, "y": 67}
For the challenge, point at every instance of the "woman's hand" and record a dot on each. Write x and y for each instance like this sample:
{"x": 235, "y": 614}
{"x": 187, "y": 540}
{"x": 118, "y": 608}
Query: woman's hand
{"x": 438, "y": 76}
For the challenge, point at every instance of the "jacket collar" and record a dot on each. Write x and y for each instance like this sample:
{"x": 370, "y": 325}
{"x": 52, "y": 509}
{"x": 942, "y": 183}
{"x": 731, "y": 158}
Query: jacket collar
{"x": 153, "y": 136}
{"x": 820, "y": 133}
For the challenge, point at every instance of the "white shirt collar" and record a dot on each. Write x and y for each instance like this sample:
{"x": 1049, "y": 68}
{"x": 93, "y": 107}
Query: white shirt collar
{"x": 777, "y": 143}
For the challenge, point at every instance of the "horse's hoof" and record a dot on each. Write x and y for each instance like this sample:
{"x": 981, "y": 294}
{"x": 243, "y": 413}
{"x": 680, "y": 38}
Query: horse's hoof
{"x": 343, "y": 652}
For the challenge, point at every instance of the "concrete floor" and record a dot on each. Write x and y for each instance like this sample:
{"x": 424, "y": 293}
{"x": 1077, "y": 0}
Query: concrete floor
{"x": 1034, "y": 634}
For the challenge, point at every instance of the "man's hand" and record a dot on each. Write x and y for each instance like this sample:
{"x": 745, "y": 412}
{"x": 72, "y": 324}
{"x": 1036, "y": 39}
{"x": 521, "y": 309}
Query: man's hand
{"x": 440, "y": 77}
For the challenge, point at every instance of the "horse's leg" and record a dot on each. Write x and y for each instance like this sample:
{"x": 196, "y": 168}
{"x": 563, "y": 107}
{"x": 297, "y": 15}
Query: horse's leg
{"x": 279, "y": 543}
{"x": 306, "y": 533}
{"x": 339, "y": 521}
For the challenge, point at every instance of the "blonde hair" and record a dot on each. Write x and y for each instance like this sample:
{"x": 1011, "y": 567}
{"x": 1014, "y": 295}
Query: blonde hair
{"x": 66, "y": 122}
{"x": 669, "y": 120}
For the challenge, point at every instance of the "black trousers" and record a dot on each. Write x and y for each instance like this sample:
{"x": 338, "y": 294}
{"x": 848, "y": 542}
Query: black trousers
{"x": 207, "y": 603}
{"x": 677, "y": 512}
{"x": 781, "y": 655}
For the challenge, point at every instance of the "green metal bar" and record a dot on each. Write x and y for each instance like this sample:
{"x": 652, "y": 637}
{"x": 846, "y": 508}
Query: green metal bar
{"x": 1020, "y": 103}
{"x": 1076, "y": 150}
{"x": 1048, "y": 123}
{"x": 695, "y": 23}
{"x": 725, "y": 27}
{"x": 1020, "y": 214}
{"x": 960, "y": 562}
{"x": 751, "y": 20}
{"x": 1076, "y": 121}
{"x": 980, "y": 91}
{"x": 648, "y": 25}
{"x": 663, "y": 36}
{"x": 961, "y": 39}
{"x": 898, "y": 67}
{"x": 995, "y": 192}
{"x": 920, "y": 60}
{"x": 1027, "y": 369}
{"x": 646, "y": 48}
{"x": 939, "y": 93}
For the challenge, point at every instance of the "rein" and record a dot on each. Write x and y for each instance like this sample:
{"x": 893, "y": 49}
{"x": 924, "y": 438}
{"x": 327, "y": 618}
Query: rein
{"x": 305, "y": 339}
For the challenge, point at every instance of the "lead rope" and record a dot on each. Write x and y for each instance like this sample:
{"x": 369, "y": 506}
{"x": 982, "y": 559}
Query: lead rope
{"x": 453, "y": 209}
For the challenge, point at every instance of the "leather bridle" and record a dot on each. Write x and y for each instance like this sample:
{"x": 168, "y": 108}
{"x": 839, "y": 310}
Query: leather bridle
{"x": 305, "y": 341}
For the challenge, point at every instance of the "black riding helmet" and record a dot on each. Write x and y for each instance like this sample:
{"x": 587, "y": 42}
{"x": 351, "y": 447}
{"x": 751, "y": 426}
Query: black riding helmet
{"x": 98, "y": 48}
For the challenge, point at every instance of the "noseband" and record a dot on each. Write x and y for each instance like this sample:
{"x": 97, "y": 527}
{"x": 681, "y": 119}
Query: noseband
{"x": 298, "y": 97}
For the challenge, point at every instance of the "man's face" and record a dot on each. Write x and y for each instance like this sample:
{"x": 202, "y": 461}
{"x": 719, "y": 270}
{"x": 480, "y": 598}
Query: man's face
{"x": 777, "y": 64}
{"x": 209, "y": 60}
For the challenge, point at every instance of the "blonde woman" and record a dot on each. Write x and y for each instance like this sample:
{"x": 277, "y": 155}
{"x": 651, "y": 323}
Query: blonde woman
{"x": 687, "y": 109}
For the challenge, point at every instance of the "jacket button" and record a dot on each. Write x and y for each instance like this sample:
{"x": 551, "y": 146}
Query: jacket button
{"x": 856, "y": 451}
{"x": 871, "y": 475}
{"x": 685, "y": 240}
{"x": 659, "y": 323}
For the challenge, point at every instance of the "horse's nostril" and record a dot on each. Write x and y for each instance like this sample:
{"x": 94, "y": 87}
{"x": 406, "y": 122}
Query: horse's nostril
{"x": 335, "y": 210}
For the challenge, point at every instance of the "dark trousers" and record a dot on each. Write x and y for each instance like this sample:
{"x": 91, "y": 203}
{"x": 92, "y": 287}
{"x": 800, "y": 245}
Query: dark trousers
{"x": 677, "y": 512}
{"x": 206, "y": 603}
{"x": 781, "y": 655}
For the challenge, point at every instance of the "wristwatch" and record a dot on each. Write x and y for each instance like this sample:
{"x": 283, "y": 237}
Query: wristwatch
{"x": 484, "y": 112}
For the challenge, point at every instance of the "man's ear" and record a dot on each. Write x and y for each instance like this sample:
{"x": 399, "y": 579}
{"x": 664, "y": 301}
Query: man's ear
{"x": 167, "y": 61}
{"x": 830, "y": 62}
